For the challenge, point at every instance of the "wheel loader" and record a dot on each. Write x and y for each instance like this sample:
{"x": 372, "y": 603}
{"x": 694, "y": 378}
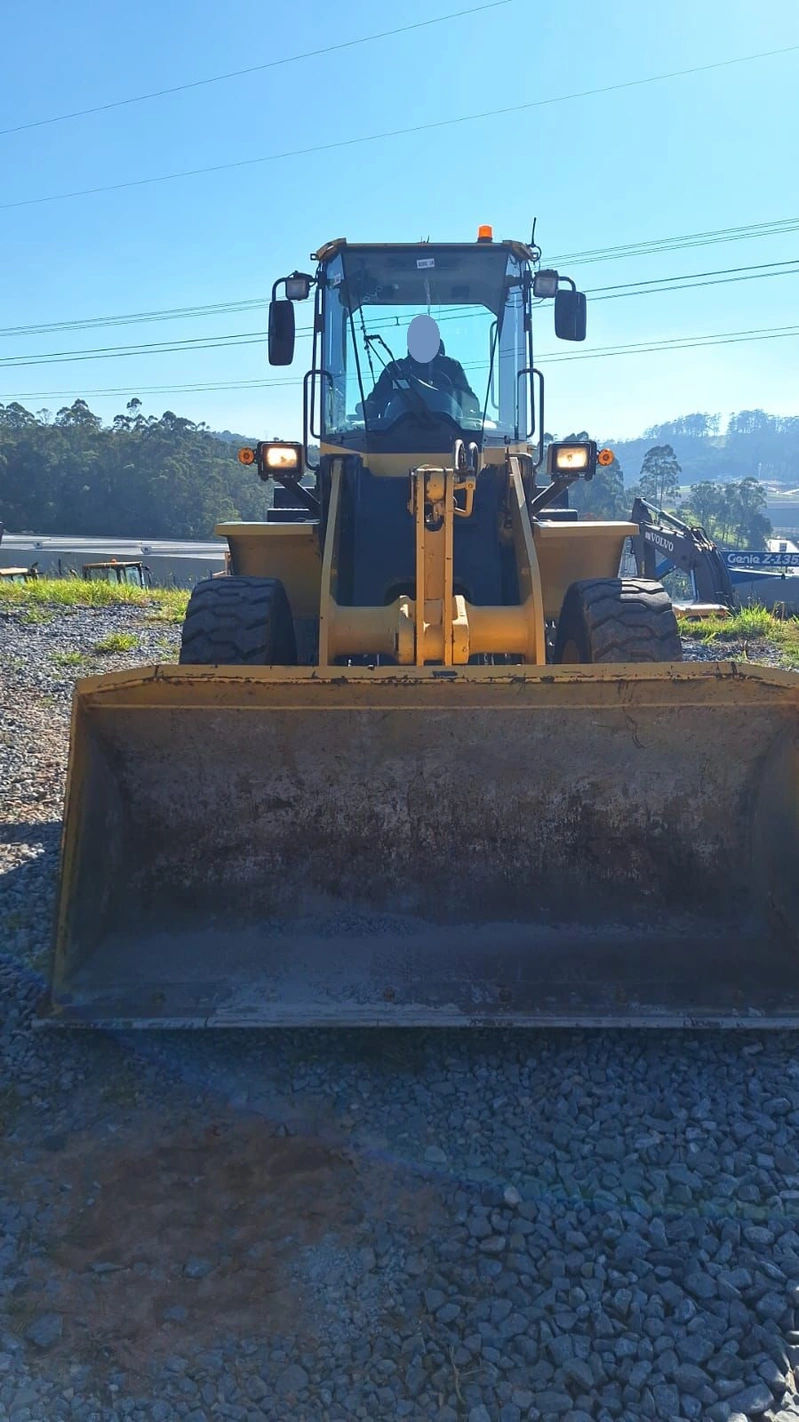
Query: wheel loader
{"x": 18, "y": 575}
{"x": 130, "y": 574}
{"x": 427, "y": 759}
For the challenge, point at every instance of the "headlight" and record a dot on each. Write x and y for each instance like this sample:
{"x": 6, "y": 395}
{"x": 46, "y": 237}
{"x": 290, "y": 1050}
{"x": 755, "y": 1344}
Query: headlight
{"x": 545, "y": 284}
{"x": 298, "y": 287}
{"x": 280, "y": 460}
{"x": 284, "y": 457}
{"x": 578, "y": 459}
{"x": 569, "y": 458}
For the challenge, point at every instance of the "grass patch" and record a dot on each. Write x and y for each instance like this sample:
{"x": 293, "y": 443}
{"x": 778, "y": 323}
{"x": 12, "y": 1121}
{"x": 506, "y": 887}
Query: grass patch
{"x": 789, "y": 655}
{"x": 37, "y": 614}
{"x": 68, "y": 659}
{"x": 121, "y": 1090}
{"x": 170, "y": 604}
{"x": 40, "y": 962}
{"x": 40, "y": 600}
{"x": 9, "y": 1108}
{"x": 749, "y": 627}
{"x": 751, "y": 624}
{"x": 21, "y": 1310}
{"x": 117, "y": 642}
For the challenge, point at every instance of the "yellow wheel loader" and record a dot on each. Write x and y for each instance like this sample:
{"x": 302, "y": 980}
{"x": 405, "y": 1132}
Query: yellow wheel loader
{"x": 19, "y": 575}
{"x": 426, "y": 758}
{"x": 131, "y": 574}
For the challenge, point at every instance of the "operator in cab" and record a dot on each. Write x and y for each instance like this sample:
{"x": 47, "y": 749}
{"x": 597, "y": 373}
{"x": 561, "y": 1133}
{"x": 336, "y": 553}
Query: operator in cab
{"x": 429, "y": 372}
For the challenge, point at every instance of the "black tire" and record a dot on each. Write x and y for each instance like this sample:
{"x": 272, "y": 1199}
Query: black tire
{"x": 238, "y": 622}
{"x": 617, "y": 620}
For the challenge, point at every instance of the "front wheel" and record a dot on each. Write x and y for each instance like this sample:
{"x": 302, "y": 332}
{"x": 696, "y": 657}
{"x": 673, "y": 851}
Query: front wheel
{"x": 617, "y": 620}
{"x": 239, "y": 622}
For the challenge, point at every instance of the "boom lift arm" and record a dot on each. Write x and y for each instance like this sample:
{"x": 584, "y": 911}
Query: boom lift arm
{"x": 665, "y": 542}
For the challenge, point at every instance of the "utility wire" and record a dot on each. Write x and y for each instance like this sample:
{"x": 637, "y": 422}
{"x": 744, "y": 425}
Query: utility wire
{"x": 766, "y": 229}
{"x": 675, "y": 343}
{"x": 173, "y": 313}
{"x": 678, "y": 343}
{"x": 253, "y": 68}
{"x": 154, "y": 389}
{"x": 673, "y": 244}
{"x": 694, "y": 281}
{"x": 401, "y": 132}
{"x": 689, "y": 282}
{"x": 198, "y": 343}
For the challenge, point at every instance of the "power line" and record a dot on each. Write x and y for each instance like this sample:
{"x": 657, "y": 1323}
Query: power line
{"x": 672, "y": 343}
{"x": 254, "y": 68}
{"x": 673, "y": 244}
{"x": 155, "y": 389}
{"x": 690, "y": 281}
{"x": 752, "y": 230}
{"x": 678, "y": 343}
{"x": 135, "y": 317}
{"x": 192, "y": 343}
{"x": 400, "y": 132}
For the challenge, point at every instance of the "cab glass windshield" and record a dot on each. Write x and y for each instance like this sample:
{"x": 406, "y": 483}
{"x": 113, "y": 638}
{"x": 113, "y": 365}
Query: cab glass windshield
{"x": 469, "y": 371}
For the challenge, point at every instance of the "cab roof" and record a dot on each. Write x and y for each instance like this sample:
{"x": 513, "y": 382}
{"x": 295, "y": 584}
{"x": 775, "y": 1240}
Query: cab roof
{"x": 521, "y": 250}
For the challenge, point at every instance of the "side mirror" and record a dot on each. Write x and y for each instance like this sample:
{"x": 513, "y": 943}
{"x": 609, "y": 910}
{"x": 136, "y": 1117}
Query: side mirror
{"x": 281, "y": 332}
{"x": 570, "y": 315}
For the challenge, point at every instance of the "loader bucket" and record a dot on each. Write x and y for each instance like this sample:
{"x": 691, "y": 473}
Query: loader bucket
{"x": 556, "y": 845}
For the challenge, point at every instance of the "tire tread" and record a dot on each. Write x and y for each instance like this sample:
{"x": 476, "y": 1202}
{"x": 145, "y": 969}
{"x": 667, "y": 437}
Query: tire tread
{"x": 621, "y": 620}
{"x": 238, "y": 621}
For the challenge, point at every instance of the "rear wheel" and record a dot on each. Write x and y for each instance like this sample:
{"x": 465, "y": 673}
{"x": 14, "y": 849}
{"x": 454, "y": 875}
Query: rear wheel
{"x": 239, "y": 622}
{"x": 617, "y": 620}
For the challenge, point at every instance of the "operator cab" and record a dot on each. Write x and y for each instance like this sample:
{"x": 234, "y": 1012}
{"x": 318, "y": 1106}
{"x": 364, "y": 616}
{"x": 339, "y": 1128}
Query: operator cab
{"x": 417, "y": 346}
{"x": 422, "y": 345}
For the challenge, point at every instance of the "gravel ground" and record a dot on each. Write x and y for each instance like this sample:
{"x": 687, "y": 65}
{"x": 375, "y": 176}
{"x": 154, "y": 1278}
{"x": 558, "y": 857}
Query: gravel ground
{"x": 486, "y": 1226}
{"x": 765, "y": 653}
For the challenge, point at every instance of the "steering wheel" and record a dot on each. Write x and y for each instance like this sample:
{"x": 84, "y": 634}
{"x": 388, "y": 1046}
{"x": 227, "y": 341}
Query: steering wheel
{"x": 442, "y": 382}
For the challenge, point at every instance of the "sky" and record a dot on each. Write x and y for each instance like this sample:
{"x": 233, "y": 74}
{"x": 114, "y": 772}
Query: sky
{"x": 697, "y": 153}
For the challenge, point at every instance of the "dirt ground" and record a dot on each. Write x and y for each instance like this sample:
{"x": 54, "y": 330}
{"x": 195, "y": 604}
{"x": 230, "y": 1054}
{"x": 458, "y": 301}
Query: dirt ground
{"x": 194, "y": 1232}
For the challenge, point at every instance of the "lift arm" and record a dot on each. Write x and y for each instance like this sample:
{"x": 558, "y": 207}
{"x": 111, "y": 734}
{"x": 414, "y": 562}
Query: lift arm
{"x": 665, "y": 542}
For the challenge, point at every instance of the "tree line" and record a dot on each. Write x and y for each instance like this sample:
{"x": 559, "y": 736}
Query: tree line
{"x": 168, "y": 477}
{"x": 752, "y": 444}
{"x": 732, "y": 511}
{"x": 139, "y": 476}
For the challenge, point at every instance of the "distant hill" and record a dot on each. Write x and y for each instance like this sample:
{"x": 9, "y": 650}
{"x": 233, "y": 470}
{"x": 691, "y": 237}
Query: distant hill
{"x": 167, "y": 477}
{"x": 174, "y": 478}
{"x": 230, "y": 438}
{"x": 753, "y": 445}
